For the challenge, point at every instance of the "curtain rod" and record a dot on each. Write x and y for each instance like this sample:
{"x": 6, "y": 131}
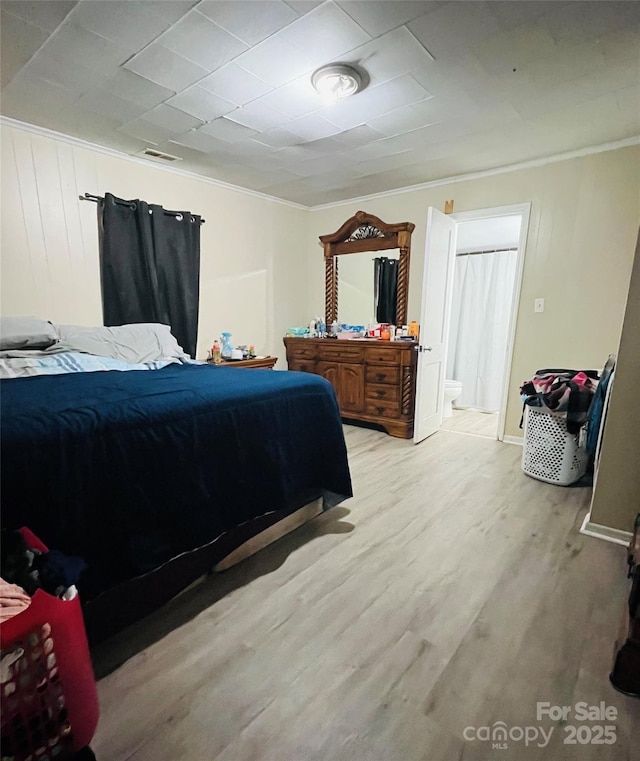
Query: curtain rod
{"x": 91, "y": 197}
{"x": 489, "y": 251}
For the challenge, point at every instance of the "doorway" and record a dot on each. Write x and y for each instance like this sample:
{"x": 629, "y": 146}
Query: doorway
{"x": 473, "y": 273}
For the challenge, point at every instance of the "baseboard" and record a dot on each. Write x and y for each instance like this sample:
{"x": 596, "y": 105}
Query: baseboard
{"x": 519, "y": 440}
{"x": 615, "y": 535}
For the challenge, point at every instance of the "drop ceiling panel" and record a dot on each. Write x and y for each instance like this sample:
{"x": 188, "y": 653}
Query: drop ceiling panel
{"x": 103, "y": 102}
{"x": 165, "y": 68}
{"x": 227, "y": 130}
{"x": 278, "y": 138}
{"x": 405, "y": 119}
{"x": 395, "y": 53}
{"x": 130, "y": 86}
{"x": 513, "y": 49}
{"x": 257, "y": 116}
{"x": 145, "y": 130}
{"x": 172, "y": 119}
{"x": 64, "y": 73}
{"x": 352, "y": 138}
{"x": 235, "y": 84}
{"x": 198, "y": 39}
{"x": 85, "y": 48}
{"x": 374, "y": 102}
{"x": 19, "y": 40}
{"x": 379, "y": 16}
{"x": 454, "y": 27}
{"x": 312, "y": 127}
{"x": 325, "y": 33}
{"x": 132, "y": 25}
{"x": 200, "y": 141}
{"x": 47, "y": 16}
{"x": 249, "y": 21}
{"x": 200, "y": 103}
{"x": 276, "y": 62}
{"x": 294, "y": 99}
{"x": 576, "y": 22}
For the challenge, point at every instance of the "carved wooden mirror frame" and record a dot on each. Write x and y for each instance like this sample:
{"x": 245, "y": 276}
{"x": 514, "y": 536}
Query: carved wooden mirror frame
{"x": 365, "y": 232}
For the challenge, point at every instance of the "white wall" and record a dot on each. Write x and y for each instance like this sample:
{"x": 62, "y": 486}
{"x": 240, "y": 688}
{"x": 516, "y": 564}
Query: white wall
{"x": 253, "y": 269}
{"x": 584, "y": 220}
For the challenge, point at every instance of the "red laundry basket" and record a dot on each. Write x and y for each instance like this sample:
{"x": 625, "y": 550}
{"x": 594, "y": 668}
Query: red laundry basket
{"x": 49, "y": 696}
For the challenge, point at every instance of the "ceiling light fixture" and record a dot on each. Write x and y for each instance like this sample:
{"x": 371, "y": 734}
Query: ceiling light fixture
{"x": 336, "y": 81}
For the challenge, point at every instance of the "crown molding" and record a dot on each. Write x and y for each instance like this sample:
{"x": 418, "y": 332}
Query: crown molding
{"x": 532, "y": 164}
{"x": 78, "y": 142}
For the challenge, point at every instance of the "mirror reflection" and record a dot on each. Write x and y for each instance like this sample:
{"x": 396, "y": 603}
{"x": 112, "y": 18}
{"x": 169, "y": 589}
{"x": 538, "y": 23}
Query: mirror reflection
{"x": 367, "y": 287}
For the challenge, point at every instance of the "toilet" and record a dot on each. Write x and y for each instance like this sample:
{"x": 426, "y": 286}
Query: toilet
{"x": 452, "y": 390}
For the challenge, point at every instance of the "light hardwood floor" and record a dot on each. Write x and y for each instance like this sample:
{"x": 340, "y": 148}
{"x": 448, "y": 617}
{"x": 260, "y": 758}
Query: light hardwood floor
{"x": 472, "y": 421}
{"x": 452, "y": 591}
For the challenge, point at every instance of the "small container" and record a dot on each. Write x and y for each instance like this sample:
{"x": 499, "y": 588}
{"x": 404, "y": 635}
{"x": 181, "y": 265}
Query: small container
{"x": 216, "y": 356}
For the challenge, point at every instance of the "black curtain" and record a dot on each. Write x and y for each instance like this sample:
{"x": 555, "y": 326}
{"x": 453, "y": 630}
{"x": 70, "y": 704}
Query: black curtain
{"x": 150, "y": 266}
{"x": 385, "y": 288}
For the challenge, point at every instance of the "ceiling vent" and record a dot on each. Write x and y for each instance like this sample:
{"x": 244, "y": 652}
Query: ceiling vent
{"x": 153, "y": 154}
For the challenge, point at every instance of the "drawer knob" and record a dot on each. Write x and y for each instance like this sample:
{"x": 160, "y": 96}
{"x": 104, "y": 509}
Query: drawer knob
{"x": 381, "y": 393}
{"x": 380, "y": 410}
{"x": 380, "y": 376}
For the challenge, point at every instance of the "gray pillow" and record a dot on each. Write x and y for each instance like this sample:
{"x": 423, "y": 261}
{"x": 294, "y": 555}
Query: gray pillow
{"x": 26, "y": 333}
{"x": 135, "y": 343}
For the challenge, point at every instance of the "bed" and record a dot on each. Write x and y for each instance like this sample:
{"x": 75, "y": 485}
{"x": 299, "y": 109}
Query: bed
{"x": 155, "y": 475}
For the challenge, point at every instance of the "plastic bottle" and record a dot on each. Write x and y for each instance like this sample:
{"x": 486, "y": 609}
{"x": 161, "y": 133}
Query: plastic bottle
{"x": 216, "y": 357}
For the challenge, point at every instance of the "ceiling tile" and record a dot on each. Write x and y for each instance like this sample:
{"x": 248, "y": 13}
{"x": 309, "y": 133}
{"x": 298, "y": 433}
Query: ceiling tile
{"x": 234, "y": 84}
{"x": 199, "y": 141}
{"x": 27, "y": 98}
{"x": 275, "y": 61}
{"x": 379, "y": 16}
{"x": 198, "y": 102}
{"x": 395, "y": 53}
{"x": 278, "y": 138}
{"x": 228, "y": 130}
{"x": 513, "y": 49}
{"x": 294, "y": 99}
{"x": 165, "y": 68}
{"x": 144, "y": 130}
{"x": 361, "y": 135}
{"x": 85, "y": 48}
{"x": 19, "y": 40}
{"x": 375, "y": 102}
{"x": 452, "y": 28}
{"x": 511, "y": 14}
{"x": 198, "y": 39}
{"x": 303, "y": 6}
{"x": 325, "y": 33}
{"x": 137, "y": 89}
{"x": 63, "y": 72}
{"x": 577, "y": 22}
{"x": 102, "y": 102}
{"x": 171, "y": 119}
{"x": 47, "y": 16}
{"x": 249, "y": 21}
{"x": 312, "y": 127}
{"x": 405, "y": 119}
{"x": 258, "y": 116}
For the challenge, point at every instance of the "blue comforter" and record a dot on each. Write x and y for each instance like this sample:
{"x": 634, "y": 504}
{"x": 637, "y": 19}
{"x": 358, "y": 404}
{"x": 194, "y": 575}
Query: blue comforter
{"x": 131, "y": 469}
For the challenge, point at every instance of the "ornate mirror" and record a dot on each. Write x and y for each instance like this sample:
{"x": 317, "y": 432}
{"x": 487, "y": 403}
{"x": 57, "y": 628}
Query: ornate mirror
{"x": 366, "y": 233}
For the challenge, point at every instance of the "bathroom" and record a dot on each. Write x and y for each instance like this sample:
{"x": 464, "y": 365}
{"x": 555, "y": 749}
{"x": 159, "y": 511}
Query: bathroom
{"x": 485, "y": 284}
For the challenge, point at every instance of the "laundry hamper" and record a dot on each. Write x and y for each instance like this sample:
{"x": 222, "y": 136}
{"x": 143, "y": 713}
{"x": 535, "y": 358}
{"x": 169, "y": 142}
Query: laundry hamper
{"x": 49, "y": 696}
{"x": 550, "y": 453}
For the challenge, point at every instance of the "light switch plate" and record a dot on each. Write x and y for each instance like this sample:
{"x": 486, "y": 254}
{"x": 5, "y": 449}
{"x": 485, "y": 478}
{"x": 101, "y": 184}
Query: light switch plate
{"x": 538, "y": 305}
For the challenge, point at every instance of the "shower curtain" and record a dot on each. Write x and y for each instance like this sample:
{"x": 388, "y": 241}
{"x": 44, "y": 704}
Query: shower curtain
{"x": 481, "y": 305}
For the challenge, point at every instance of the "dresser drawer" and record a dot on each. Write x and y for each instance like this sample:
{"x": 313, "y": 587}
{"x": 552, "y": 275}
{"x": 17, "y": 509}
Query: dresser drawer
{"x": 301, "y": 352}
{"x": 301, "y": 365}
{"x": 384, "y": 356}
{"x": 382, "y": 407}
{"x": 335, "y": 352}
{"x": 387, "y": 393}
{"x": 382, "y": 374}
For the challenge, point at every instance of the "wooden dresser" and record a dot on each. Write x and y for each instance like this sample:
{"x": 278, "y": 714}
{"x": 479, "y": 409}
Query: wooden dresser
{"x": 375, "y": 381}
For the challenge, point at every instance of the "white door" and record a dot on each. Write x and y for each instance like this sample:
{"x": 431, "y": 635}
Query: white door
{"x": 434, "y": 322}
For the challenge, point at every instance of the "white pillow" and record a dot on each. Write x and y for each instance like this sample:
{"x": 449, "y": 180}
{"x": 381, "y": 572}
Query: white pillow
{"x": 139, "y": 342}
{"x": 26, "y": 333}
